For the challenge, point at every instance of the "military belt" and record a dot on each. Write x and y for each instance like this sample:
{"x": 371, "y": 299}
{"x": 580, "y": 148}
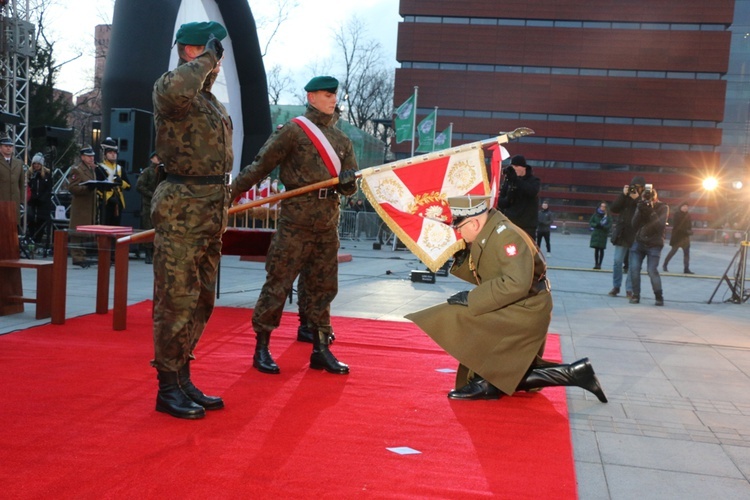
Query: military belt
{"x": 202, "y": 180}
{"x": 324, "y": 193}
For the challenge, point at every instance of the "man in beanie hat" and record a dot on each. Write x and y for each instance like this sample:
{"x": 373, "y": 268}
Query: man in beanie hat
{"x": 519, "y": 193}
{"x": 11, "y": 175}
{"x": 189, "y": 213}
{"x": 306, "y": 241}
{"x": 623, "y": 233}
{"x": 650, "y": 225}
{"x": 497, "y": 331}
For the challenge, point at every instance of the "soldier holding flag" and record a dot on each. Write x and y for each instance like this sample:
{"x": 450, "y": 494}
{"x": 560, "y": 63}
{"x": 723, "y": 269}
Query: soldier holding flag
{"x": 308, "y": 149}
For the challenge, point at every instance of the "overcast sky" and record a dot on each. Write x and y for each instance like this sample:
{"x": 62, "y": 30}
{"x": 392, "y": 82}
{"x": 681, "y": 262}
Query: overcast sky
{"x": 303, "y": 39}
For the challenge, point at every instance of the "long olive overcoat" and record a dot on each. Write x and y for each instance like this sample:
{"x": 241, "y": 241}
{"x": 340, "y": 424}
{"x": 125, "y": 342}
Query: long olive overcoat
{"x": 502, "y": 332}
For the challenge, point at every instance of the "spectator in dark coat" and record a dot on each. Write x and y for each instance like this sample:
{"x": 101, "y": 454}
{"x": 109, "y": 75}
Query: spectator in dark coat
{"x": 623, "y": 233}
{"x": 519, "y": 193}
{"x": 543, "y": 226}
{"x": 649, "y": 222}
{"x": 600, "y": 224}
{"x": 682, "y": 228}
{"x": 39, "y": 205}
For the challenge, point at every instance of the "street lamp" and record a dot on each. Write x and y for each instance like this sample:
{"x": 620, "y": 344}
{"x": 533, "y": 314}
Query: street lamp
{"x": 96, "y": 137}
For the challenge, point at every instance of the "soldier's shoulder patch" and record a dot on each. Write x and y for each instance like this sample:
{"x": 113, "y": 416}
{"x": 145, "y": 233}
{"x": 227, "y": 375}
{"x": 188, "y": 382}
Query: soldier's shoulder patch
{"x": 511, "y": 250}
{"x": 73, "y": 177}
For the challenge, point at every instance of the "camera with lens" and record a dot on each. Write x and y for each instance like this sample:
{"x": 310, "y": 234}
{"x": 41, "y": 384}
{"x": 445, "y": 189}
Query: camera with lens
{"x": 633, "y": 189}
{"x": 648, "y": 192}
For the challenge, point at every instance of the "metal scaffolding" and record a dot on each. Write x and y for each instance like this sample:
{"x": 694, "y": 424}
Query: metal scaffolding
{"x": 17, "y": 46}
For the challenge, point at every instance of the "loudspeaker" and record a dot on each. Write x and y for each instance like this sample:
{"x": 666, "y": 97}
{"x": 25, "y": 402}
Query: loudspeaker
{"x": 133, "y": 129}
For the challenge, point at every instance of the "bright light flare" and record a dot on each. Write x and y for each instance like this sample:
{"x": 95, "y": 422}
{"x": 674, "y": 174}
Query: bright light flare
{"x": 710, "y": 183}
{"x": 737, "y": 185}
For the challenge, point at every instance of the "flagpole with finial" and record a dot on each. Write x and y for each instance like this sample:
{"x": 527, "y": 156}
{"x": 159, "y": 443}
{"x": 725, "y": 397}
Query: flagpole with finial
{"x": 434, "y": 130}
{"x": 414, "y": 120}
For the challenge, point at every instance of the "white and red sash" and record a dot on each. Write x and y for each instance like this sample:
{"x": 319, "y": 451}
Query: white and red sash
{"x": 322, "y": 144}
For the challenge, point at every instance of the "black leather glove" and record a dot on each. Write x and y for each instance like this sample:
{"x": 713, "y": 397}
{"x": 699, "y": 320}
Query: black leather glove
{"x": 214, "y": 44}
{"x": 510, "y": 173}
{"x": 460, "y": 257}
{"x": 347, "y": 177}
{"x": 117, "y": 180}
{"x": 459, "y": 299}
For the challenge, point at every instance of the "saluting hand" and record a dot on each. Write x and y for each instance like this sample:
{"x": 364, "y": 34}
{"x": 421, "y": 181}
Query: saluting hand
{"x": 214, "y": 44}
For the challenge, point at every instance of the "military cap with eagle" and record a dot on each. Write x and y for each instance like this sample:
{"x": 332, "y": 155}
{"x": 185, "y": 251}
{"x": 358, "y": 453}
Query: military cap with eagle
{"x": 467, "y": 206}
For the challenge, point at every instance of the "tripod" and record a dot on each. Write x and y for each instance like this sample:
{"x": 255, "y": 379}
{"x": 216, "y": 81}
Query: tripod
{"x": 739, "y": 293}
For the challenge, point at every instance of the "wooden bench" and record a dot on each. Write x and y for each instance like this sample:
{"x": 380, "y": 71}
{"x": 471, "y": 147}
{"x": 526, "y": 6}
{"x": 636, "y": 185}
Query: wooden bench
{"x": 43, "y": 299}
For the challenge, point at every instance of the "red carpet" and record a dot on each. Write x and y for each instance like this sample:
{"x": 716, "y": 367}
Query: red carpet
{"x": 79, "y": 420}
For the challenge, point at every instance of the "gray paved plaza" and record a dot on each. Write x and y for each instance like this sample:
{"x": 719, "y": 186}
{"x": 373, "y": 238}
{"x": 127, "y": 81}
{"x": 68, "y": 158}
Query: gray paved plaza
{"x": 677, "y": 424}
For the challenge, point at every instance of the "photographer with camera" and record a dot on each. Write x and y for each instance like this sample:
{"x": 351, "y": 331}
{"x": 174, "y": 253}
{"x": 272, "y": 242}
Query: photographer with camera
{"x": 518, "y": 199}
{"x": 623, "y": 233}
{"x": 650, "y": 224}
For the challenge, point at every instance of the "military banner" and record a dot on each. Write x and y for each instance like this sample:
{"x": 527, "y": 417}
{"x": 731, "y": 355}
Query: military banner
{"x": 403, "y": 123}
{"x": 413, "y": 199}
{"x": 499, "y": 154}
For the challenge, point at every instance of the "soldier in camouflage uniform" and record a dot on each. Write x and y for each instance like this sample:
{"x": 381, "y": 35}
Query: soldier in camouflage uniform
{"x": 189, "y": 213}
{"x": 306, "y": 240}
{"x": 146, "y": 185}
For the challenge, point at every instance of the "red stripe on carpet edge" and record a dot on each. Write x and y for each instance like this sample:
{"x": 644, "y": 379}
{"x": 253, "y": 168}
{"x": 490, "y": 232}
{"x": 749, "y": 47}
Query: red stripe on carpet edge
{"x": 81, "y": 421}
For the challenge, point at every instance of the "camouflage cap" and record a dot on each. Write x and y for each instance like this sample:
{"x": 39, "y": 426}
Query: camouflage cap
{"x": 467, "y": 206}
{"x": 198, "y": 33}
{"x": 327, "y": 83}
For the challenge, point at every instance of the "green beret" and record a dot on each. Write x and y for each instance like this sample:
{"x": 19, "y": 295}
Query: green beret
{"x": 198, "y": 33}
{"x": 328, "y": 83}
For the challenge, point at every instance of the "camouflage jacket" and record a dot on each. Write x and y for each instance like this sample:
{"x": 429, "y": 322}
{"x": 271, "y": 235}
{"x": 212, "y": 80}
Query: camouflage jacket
{"x": 146, "y": 185}
{"x": 301, "y": 165}
{"x": 193, "y": 129}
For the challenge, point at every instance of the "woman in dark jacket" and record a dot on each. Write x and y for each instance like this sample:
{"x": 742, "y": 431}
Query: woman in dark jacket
{"x": 600, "y": 223}
{"x": 40, "y": 198}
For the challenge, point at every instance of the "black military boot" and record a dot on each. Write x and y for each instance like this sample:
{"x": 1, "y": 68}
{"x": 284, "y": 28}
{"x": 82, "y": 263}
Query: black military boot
{"x": 579, "y": 374}
{"x": 477, "y": 388}
{"x": 173, "y": 400}
{"x": 659, "y": 299}
{"x": 195, "y": 394}
{"x": 262, "y": 360}
{"x": 322, "y": 358}
{"x": 304, "y": 334}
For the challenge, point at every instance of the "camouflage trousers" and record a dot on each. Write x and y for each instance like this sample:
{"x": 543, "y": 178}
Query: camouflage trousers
{"x": 187, "y": 251}
{"x": 313, "y": 256}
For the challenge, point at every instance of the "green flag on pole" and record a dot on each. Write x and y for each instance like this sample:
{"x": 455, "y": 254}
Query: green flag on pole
{"x": 426, "y": 133}
{"x": 444, "y": 139}
{"x": 404, "y": 120}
